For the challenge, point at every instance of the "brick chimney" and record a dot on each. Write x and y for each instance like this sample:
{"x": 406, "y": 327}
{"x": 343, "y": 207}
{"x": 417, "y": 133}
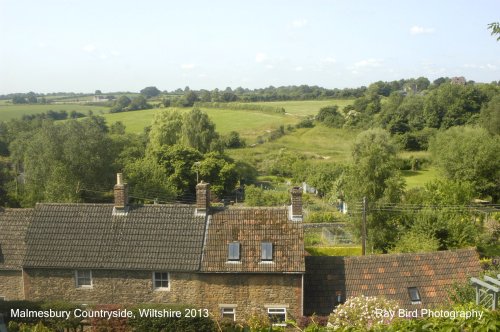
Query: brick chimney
{"x": 202, "y": 198}
{"x": 121, "y": 193}
{"x": 296, "y": 207}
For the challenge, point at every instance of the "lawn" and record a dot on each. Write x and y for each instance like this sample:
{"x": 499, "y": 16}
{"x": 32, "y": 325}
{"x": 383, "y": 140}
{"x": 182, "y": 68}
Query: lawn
{"x": 249, "y": 124}
{"x": 420, "y": 178}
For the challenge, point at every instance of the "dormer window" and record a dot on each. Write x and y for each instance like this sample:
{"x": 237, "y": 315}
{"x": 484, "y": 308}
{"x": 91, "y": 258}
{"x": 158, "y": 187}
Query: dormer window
{"x": 234, "y": 251}
{"x": 414, "y": 295}
{"x": 267, "y": 251}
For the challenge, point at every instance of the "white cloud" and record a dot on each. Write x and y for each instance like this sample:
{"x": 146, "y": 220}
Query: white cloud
{"x": 260, "y": 57}
{"x": 269, "y": 66}
{"x": 188, "y": 66}
{"x": 299, "y": 68}
{"x": 330, "y": 60}
{"x": 488, "y": 66}
{"x": 418, "y": 30}
{"x": 368, "y": 63}
{"x": 89, "y": 48}
{"x": 299, "y": 23}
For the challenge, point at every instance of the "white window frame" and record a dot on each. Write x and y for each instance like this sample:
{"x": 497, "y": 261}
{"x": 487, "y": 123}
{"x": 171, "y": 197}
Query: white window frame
{"x": 233, "y": 256}
{"x": 228, "y": 311}
{"x": 161, "y": 279}
{"x": 267, "y": 251}
{"x": 277, "y": 311}
{"x": 79, "y": 276}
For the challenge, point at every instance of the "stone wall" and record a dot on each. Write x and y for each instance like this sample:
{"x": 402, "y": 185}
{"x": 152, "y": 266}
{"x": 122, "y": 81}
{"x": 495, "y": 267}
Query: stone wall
{"x": 249, "y": 293}
{"x": 11, "y": 285}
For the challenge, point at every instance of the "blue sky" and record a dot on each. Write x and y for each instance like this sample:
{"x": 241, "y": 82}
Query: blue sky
{"x": 84, "y": 45}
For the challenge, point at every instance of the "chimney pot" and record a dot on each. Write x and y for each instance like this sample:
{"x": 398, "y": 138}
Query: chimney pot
{"x": 202, "y": 198}
{"x": 120, "y": 192}
{"x": 296, "y": 207}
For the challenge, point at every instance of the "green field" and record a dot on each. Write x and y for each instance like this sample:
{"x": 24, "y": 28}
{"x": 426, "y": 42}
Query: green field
{"x": 321, "y": 144}
{"x": 306, "y": 107}
{"x": 10, "y": 111}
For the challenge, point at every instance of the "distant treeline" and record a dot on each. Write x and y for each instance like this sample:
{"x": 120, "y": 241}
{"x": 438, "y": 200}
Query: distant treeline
{"x": 54, "y": 115}
{"x": 241, "y": 106}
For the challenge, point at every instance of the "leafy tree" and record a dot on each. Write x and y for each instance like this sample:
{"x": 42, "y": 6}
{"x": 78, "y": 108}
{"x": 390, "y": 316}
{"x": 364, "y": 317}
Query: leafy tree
{"x": 120, "y": 104}
{"x": 198, "y": 131}
{"x": 60, "y": 159}
{"x": 452, "y": 105}
{"x": 165, "y": 130}
{"x": 490, "y": 115}
{"x": 469, "y": 154}
{"x": 150, "y": 91}
{"x": 234, "y": 141}
{"x": 189, "y": 98}
{"x": 138, "y": 103}
{"x": 495, "y": 29}
{"x": 331, "y": 116}
{"x": 374, "y": 175}
{"x": 220, "y": 171}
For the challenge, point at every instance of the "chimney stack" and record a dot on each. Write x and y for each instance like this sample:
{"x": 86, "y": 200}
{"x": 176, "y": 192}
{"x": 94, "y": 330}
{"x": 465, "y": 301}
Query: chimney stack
{"x": 296, "y": 207}
{"x": 202, "y": 198}
{"x": 121, "y": 193}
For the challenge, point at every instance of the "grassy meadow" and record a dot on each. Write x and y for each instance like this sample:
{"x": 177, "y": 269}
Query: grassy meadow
{"x": 16, "y": 111}
{"x": 321, "y": 144}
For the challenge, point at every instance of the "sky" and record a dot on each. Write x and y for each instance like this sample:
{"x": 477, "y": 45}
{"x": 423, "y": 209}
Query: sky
{"x": 124, "y": 45}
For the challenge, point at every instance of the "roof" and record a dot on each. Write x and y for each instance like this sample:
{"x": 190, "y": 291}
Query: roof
{"x": 250, "y": 227}
{"x": 389, "y": 276}
{"x": 13, "y": 225}
{"x": 151, "y": 237}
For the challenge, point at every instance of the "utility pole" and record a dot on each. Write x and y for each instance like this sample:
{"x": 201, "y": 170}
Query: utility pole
{"x": 363, "y": 229}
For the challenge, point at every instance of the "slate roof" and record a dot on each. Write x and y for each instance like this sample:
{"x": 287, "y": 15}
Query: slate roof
{"x": 250, "y": 227}
{"x": 13, "y": 225}
{"x": 389, "y": 276}
{"x": 151, "y": 237}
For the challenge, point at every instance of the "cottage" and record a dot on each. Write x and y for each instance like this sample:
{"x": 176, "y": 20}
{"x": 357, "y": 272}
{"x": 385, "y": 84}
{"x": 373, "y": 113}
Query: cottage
{"x": 233, "y": 262}
{"x": 414, "y": 280}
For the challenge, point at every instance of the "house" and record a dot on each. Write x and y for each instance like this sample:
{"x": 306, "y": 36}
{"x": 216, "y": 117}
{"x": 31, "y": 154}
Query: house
{"x": 232, "y": 261}
{"x": 13, "y": 225}
{"x": 414, "y": 280}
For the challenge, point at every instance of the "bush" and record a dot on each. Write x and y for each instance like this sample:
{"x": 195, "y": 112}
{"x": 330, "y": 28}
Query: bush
{"x": 305, "y": 123}
{"x": 360, "y": 312}
{"x": 188, "y": 324}
{"x": 334, "y": 251}
{"x": 255, "y": 196}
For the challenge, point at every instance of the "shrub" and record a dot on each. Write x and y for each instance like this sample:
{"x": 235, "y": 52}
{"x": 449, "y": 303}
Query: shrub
{"x": 334, "y": 251}
{"x": 360, "y": 312}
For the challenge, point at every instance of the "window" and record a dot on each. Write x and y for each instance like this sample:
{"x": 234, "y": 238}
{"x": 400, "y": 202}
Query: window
{"x": 228, "y": 313}
{"x": 83, "y": 278}
{"x": 277, "y": 316}
{"x": 2, "y": 298}
{"x": 414, "y": 295}
{"x": 234, "y": 251}
{"x": 267, "y": 251}
{"x": 161, "y": 281}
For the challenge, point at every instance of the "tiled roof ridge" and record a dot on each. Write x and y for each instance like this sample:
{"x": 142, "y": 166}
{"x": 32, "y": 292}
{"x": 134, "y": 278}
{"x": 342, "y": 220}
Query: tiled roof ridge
{"x": 111, "y": 204}
{"x": 413, "y": 254}
{"x": 279, "y": 208}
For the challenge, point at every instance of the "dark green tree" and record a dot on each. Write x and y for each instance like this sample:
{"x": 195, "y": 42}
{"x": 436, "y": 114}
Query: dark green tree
{"x": 150, "y": 91}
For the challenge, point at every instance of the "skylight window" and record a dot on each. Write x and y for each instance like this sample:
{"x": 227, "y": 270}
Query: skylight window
{"x": 414, "y": 295}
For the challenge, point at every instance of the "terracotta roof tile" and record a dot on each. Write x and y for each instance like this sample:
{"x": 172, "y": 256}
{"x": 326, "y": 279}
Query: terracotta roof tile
{"x": 431, "y": 273}
{"x": 250, "y": 227}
